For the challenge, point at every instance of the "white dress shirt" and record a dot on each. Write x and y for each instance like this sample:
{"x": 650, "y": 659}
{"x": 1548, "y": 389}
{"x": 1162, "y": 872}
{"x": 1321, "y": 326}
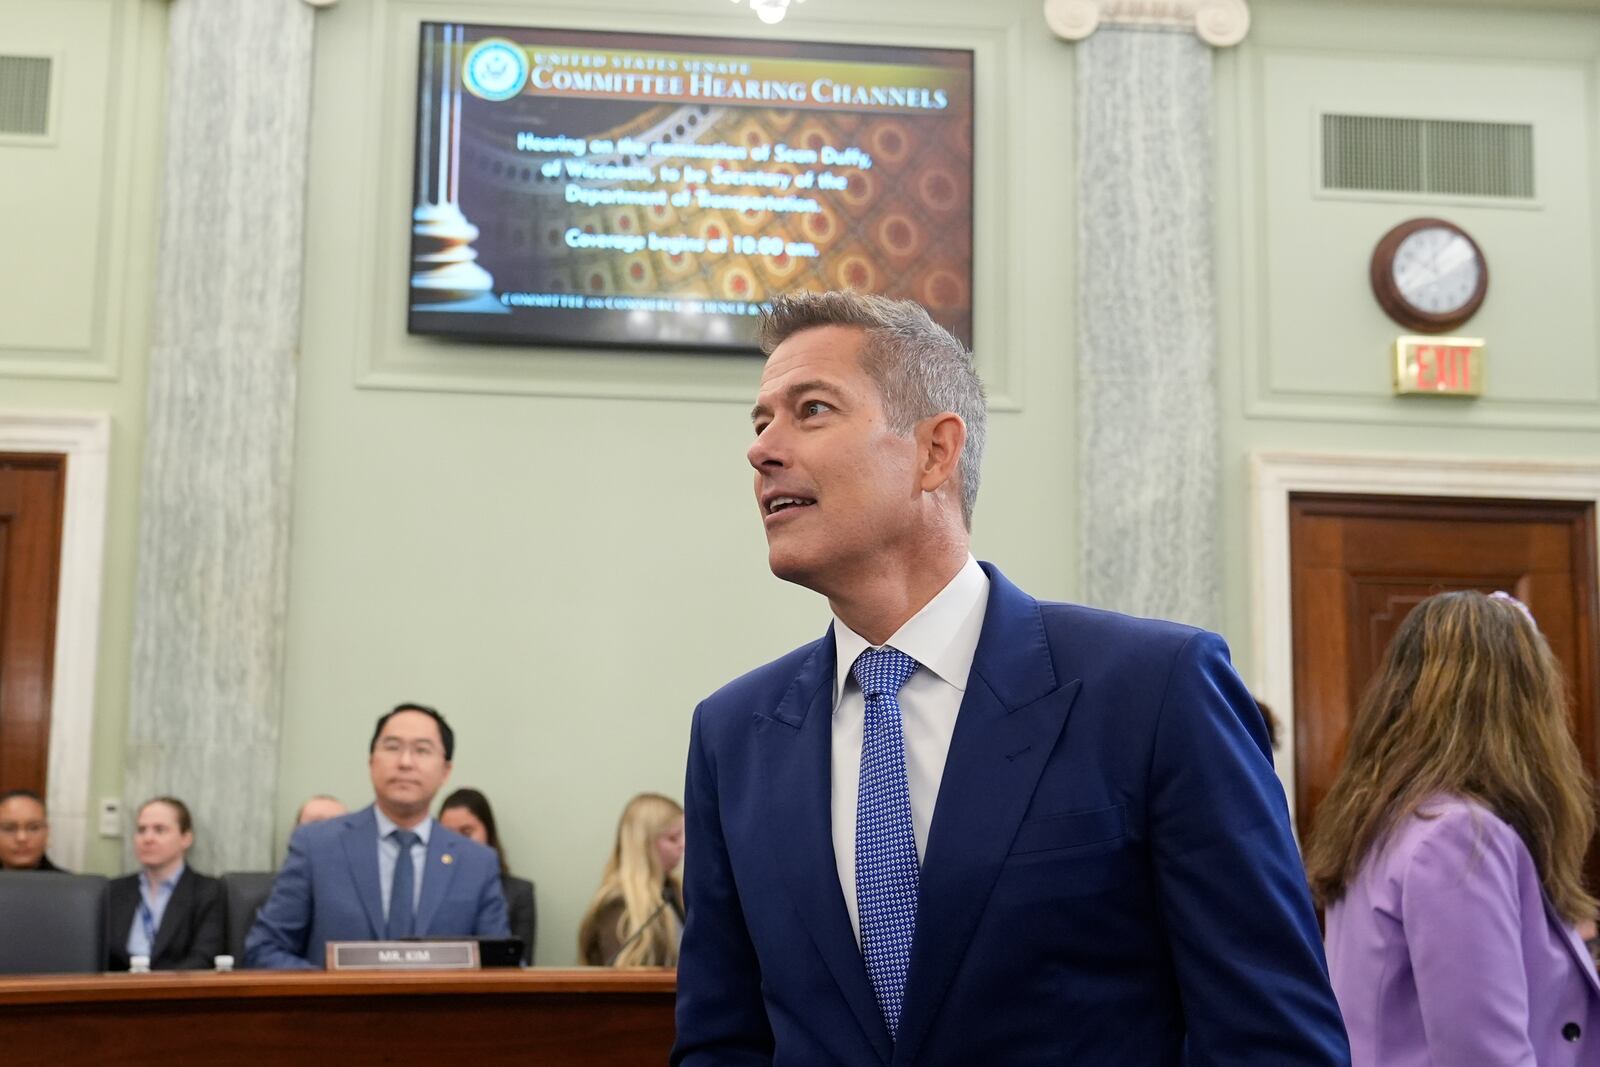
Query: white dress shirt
{"x": 942, "y": 638}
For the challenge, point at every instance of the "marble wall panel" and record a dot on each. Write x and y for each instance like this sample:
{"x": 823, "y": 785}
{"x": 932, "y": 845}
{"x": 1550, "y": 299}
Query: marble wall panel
{"x": 1147, "y": 410}
{"x": 210, "y": 601}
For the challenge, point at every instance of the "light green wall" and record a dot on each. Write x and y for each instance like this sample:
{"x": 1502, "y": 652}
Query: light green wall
{"x": 85, "y": 348}
{"x": 566, "y": 576}
{"x": 559, "y": 550}
{"x": 1304, "y": 349}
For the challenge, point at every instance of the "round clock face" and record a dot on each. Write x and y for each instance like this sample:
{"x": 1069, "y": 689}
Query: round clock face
{"x": 1429, "y": 275}
{"x": 1437, "y": 269}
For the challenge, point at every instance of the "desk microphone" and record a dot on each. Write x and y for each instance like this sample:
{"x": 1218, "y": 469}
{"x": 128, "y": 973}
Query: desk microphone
{"x": 666, "y": 899}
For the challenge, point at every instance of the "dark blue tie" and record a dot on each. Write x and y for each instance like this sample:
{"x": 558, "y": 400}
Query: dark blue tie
{"x": 887, "y": 874}
{"x": 402, "y": 920}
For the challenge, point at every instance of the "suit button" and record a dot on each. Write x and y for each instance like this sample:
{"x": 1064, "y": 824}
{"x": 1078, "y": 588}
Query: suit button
{"x": 1571, "y": 1031}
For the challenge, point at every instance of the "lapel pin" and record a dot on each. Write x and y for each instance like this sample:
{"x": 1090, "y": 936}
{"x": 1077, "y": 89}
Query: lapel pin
{"x": 446, "y": 858}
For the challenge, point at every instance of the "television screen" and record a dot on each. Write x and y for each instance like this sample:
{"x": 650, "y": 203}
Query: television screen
{"x": 654, "y": 191}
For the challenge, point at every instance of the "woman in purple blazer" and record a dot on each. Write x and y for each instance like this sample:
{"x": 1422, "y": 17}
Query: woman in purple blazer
{"x": 1449, "y": 852}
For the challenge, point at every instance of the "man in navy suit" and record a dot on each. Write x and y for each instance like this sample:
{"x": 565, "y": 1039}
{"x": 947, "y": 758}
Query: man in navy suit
{"x": 967, "y": 826}
{"x": 385, "y": 872}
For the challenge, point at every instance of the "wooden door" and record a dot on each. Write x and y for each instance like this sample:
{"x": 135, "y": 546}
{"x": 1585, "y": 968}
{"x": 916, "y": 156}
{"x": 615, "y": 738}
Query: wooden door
{"x": 32, "y": 494}
{"x": 1359, "y": 564}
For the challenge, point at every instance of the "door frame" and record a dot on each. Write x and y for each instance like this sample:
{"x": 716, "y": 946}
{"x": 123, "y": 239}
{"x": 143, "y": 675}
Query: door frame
{"x": 85, "y": 439}
{"x": 1274, "y": 475}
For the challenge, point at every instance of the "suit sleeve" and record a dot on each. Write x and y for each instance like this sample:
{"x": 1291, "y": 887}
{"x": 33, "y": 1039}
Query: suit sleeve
{"x": 492, "y": 920}
{"x": 721, "y": 1018}
{"x": 208, "y": 938}
{"x": 278, "y": 939}
{"x": 1234, "y": 900}
{"x": 1459, "y": 907}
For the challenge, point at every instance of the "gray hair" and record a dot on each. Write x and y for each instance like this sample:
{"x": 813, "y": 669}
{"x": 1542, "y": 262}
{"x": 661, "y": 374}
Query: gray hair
{"x": 918, "y": 366}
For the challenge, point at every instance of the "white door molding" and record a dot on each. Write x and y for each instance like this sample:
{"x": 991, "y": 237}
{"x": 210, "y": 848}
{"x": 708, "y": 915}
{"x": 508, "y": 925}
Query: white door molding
{"x": 85, "y": 439}
{"x": 1275, "y": 475}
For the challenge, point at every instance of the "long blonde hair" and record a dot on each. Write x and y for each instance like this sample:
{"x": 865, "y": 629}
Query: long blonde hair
{"x": 1470, "y": 702}
{"x": 634, "y": 876}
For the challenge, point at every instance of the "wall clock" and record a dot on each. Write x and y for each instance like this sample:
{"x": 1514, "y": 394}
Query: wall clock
{"x": 1429, "y": 275}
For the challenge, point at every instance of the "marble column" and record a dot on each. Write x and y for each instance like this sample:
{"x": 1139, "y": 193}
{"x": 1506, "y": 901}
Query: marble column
{"x": 1147, "y": 319}
{"x": 206, "y": 690}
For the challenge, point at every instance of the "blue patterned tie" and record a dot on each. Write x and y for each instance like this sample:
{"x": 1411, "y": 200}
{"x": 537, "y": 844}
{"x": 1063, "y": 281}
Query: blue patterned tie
{"x": 402, "y": 919}
{"x": 886, "y": 848}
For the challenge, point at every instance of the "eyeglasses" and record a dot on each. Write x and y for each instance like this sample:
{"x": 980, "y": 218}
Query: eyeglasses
{"x": 16, "y": 829}
{"x": 393, "y": 746}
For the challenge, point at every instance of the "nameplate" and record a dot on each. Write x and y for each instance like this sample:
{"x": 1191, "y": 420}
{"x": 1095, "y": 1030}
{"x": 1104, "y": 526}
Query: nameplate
{"x": 402, "y": 955}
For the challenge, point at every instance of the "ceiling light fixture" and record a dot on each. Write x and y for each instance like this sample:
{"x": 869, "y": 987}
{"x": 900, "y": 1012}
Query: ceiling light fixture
{"x": 770, "y": 11}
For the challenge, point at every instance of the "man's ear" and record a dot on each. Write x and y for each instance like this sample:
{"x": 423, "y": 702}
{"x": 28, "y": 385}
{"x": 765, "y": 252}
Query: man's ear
{"x": 941, "y": 439}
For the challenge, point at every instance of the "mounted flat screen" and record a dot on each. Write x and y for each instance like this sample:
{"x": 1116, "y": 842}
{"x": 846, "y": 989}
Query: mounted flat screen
{"x": 653, "y": 191}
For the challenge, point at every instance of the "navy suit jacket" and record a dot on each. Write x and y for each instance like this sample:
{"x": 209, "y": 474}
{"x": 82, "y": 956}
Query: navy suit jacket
{"x": 328, "y": 890}
{"x": 1109, "y": 877}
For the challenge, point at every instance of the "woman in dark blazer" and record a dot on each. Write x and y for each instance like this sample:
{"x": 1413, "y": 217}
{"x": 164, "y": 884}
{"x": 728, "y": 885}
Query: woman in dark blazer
{"x": 467, "y": 812}
{"x": 166, "y": 911}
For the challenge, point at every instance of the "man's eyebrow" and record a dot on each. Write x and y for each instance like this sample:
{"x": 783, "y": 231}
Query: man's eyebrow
{"x": 814, "y": 385}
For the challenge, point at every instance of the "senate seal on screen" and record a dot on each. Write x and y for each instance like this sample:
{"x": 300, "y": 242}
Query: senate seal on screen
{"x": 495, "y": 69}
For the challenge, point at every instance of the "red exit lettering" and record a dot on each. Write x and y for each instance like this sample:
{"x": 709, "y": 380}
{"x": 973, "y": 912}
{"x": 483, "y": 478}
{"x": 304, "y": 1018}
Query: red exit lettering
{"x": 1444, "y": 368}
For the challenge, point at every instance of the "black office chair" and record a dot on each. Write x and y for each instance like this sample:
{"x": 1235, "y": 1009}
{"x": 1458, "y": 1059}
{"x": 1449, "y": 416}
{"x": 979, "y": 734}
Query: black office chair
{"x": 246, "y": 891}
{"x": 52, "y": 923}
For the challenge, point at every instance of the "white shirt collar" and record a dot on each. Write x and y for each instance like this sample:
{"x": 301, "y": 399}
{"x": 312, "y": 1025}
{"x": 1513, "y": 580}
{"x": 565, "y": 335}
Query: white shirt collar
{"x": 943, "y": 636}
{"x": 386, "y": 826}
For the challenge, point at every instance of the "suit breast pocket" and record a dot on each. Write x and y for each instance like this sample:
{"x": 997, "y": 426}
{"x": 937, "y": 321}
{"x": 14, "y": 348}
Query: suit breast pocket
{"x": 1073, "y": 830}
{"x": 1077, "y": 853}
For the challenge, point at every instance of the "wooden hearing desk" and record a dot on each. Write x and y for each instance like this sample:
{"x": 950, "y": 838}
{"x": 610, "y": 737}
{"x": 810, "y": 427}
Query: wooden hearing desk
{"x": 465, "y": 1018}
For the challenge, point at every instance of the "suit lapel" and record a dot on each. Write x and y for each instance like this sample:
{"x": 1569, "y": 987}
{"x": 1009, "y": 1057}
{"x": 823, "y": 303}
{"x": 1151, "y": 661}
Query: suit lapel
{"x": 437, "y": 872}
{"x": 178, "y": 907}
{"x": 361, "y": 851}
{"x": 1010, "y": 720}
{"x": 795, "y": 742}
{"x": 1575, "y": 945}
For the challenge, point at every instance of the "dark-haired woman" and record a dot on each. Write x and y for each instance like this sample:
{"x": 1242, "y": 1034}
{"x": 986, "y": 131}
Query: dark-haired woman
{"x": 167, "y": 912}
{"x": 1449, "y": 851}
{"x": 467, "y": 812}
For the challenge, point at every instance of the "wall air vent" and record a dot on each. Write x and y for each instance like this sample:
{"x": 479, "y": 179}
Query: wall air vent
{"x": 25, "y": 96}
{"x": 1372, "y": 153}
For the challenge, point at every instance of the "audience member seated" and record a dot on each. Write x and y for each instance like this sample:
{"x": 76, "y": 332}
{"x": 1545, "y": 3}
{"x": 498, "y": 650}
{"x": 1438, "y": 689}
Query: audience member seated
{"x": 320, "y": 807}
{"x": 24, "y": 832}
{"x": 387, "y": 871}
{"x": 1270, "y": 719}
{"x": 636, "y": 917}
{"x": 467, "y": 812}
{"x": 168, "y": 912}
{"x": 1450, "y": 851}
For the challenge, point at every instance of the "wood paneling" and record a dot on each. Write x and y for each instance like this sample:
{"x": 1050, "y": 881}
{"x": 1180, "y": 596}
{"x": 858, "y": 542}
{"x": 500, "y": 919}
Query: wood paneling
{"x": 574, "y": 1018}
{"x": 32, "y": 494}
{"x": 1359, "y": 565}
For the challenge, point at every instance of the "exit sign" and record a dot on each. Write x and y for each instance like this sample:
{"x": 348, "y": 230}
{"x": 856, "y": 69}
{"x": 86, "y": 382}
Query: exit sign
{"x": 1448, "y": 366}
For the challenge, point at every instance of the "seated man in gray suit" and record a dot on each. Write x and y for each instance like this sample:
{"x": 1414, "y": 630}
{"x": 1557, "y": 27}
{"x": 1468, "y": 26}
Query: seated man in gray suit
{"x": 387, "y": 871}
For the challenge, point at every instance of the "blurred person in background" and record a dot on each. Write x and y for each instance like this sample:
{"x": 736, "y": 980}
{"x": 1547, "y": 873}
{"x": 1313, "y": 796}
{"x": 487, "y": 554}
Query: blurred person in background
{"x": 24, "y": 832}
{"x": 636, "y": 916}
{"x": 167, "y": 912}
{"x": 1450, "y": 851}
{"x": 467, "y": 812}
{"x": 388, "y": 872}
{"x": 320, "y": 807}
